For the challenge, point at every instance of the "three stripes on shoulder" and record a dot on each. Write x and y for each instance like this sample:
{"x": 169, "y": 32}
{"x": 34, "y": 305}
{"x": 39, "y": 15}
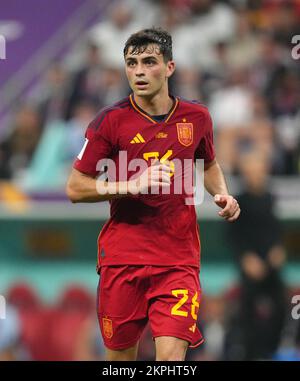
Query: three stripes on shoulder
{"x": 137, "y": 139}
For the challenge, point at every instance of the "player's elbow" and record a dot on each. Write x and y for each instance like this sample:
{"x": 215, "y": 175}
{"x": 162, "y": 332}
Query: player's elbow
{"x": 72, "y": 193}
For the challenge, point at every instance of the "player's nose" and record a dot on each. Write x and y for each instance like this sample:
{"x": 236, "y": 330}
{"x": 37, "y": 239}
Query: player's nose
{"x": 139, "y": 72}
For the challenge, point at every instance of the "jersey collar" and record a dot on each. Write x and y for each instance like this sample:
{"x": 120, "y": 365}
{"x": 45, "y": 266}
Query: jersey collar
{"x": 148, "y": 116}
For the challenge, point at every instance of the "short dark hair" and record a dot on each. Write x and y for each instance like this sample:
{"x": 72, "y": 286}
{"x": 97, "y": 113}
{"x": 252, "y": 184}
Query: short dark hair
{"x": 140, "y": 40}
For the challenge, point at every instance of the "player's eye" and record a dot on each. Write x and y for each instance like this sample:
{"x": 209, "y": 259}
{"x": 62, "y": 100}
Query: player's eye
{"x": 150, "y": 62}
{"x": 130, "y": 63}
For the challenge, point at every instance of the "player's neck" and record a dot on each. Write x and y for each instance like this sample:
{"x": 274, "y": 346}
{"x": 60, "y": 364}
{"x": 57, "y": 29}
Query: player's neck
{"x": 159, "y": 104}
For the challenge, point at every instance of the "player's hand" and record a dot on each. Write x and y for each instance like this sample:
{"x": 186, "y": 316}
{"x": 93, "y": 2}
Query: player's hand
{"x": 230, "y": 207}
{"x": 155, "y": 176}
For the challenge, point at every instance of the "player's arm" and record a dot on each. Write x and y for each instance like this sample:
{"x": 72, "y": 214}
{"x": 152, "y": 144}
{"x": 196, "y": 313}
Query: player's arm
{"x": 84, "y": 188}
{"x": 215, "y": 184}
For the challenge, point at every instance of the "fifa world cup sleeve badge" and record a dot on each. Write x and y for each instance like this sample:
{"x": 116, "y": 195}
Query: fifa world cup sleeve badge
{"x": 185, "y": 133}
{"x": 107, "y": 328}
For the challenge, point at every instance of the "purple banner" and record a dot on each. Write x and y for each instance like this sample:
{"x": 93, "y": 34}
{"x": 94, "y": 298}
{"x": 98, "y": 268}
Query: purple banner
{"x": 26, "y": 26}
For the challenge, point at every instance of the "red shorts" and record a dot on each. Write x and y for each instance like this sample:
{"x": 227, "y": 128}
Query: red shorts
{"x": 129, "y": 296}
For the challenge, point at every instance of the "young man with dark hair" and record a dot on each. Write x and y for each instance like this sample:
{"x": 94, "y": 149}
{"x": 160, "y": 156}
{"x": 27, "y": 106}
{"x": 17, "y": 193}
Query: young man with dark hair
{"x": 149, "y": 250}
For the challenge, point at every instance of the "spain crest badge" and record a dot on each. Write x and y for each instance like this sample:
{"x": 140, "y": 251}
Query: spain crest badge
{"x": 107, "y": 328}
{"x": 185, "y": 133}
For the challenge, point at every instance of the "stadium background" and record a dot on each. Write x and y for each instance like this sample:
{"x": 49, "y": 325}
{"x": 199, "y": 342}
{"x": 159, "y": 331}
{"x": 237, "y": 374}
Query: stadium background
{"x": 64, "y": 62}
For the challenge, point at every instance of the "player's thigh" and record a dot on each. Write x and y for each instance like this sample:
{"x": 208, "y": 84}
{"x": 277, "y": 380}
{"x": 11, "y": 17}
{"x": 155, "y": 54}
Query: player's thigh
{"x": 129, "y": 354}
{"x": 170, "y": 348}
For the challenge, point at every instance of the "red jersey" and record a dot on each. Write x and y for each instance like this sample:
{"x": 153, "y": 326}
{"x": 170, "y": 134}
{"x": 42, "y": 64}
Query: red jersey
{"x": 152, "y": 229}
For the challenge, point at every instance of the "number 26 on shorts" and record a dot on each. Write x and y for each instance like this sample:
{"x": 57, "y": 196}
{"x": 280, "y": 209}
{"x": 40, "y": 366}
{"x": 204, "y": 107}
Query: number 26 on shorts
{"x": 183, "y": 294}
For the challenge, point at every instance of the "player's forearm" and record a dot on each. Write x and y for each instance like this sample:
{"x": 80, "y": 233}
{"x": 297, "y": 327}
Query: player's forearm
{"x": 92, "y": 190}
{"x": 84, "y": 188}
{"x": 214, "y": 180}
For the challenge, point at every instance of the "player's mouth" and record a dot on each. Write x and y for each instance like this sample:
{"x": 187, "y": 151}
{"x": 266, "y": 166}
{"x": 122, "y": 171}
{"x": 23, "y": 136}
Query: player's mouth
{"x": 141, "y": 84}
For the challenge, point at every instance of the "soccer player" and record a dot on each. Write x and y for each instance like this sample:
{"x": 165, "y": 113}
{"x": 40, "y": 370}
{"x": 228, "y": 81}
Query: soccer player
{"x": 149, "y": 250}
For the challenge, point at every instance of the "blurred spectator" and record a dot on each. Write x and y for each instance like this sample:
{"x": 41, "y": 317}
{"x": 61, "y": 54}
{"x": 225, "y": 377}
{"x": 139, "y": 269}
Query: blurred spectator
{"x": 176, "y": 19}
{"x": 53, "y": 95}
{"x": 115, "y": 88}
{"x": 147, "y": 13}
{"x": 214, "y": 22}
{"x": 83, "y": 113}
{"x": 23, "y": 297}
{"x": 284, "y": 20}
{"x": 69, "y": 325}
{"x": 243, "y": 49}
{"x": 87, "y": 83}
{"x": 257, "y": 239}
{"x": 17, "y": 149}
{"x": 288, "y": 144}
{"x": 284, "y": 93}
{"x": 32, "y": 315}
{"x": 111, "y": 34}
{"x": 240, "y": 118}
{"x": 270, "y": 61}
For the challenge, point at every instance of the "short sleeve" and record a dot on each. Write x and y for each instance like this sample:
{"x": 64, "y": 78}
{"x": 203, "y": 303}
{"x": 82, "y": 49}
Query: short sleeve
{"x": 205, "y": 149}
{"x": 97, "y": 146}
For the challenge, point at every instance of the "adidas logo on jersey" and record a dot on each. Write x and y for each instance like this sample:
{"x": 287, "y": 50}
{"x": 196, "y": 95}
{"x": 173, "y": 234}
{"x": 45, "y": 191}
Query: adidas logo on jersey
{"x": 137, "y": 139}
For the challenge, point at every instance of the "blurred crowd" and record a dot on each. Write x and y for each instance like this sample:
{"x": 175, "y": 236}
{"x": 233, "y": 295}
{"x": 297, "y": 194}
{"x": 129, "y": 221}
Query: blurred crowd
{"x": 232, "y": 55}
{"x": 63, "y": 331}
{"x": 68, "y": 330}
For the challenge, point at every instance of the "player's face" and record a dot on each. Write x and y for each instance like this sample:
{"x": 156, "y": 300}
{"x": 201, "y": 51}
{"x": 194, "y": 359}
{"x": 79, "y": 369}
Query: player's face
{"x": 147, "y": 72}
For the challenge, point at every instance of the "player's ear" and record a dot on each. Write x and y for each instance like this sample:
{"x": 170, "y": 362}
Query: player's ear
{"x": 170, "y": 68}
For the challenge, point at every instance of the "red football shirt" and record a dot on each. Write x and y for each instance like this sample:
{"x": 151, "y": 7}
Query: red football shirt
{"x": 148, "y": 229}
